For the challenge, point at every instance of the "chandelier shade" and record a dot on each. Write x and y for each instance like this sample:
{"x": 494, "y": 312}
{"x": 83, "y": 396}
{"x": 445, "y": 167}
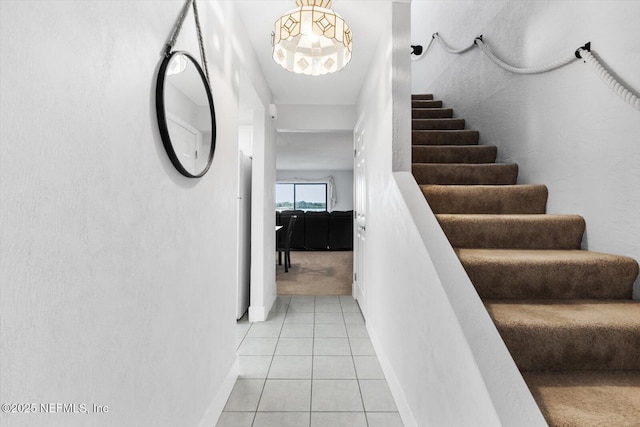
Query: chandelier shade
{"x": 312, "y": 39}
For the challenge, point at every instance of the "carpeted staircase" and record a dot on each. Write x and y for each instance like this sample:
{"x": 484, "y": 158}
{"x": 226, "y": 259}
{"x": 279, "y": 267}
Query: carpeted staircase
{"x": 565, "y": 314}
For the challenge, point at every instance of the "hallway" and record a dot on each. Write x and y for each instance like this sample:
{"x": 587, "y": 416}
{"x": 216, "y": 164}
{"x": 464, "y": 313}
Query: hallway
{"x": 119, "y": 274}
{"x": 310, "y": 364}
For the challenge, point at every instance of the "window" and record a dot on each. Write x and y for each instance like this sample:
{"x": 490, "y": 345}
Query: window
{"x": 305, "y": 197}
{"x": 284, "y": 197}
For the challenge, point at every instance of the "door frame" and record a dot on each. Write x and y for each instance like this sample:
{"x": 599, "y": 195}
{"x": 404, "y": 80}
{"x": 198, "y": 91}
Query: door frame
{"x": 359, "y": 218}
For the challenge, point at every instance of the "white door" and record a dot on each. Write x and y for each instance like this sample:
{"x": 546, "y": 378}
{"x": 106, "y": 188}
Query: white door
{"x": 244, "y": 233}
{"x": 360, "y": 212}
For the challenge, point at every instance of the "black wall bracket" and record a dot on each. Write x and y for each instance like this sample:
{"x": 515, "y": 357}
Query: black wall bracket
{"x": 586, "y": 47}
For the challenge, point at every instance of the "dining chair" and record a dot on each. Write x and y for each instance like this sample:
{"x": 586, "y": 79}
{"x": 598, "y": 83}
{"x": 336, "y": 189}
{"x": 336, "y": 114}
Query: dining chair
{"x": 286, "y": 247}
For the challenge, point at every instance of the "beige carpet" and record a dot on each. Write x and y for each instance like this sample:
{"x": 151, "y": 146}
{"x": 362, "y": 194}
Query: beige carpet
{"x": 316, "y": 273}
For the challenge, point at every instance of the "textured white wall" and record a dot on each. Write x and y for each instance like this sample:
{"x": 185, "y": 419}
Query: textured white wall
{"x": 441, "y": 353}
{"x": 342, "y": 178}
{"x": 566, "y": 129}
{"x": 117, "y": 274}
{"x": 314, "y": 137}
{"x": 315, "y": 117}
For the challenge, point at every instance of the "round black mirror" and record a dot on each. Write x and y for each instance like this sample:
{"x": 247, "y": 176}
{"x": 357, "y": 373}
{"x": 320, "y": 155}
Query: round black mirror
{"x": 186, "y": 116}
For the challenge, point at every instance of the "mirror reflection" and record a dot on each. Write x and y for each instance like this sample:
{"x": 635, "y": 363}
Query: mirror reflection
{"x": 188, "y": 115}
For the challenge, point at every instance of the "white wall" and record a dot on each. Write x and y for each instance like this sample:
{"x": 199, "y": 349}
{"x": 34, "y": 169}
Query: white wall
{"x": 314, "y": 150}
{"x": 343, "y": 180}
{"x": 315, "y": 117}
{"x": 117, "y": 274}
{"x": 443, "y": 358}
{"x": 566, "y": 129}
{"x": 314, "y": 137}
{"x": 263, "y": 221}
{"x": 258, "y": 140}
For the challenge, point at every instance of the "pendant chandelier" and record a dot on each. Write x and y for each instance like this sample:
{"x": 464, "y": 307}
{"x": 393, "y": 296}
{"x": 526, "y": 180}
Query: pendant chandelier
{"x": 312, "y": 39}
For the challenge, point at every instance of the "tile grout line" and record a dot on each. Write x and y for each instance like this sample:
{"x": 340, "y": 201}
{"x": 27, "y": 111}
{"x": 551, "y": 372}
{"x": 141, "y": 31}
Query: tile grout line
{"x": 313, "y": 355}
{"x": 245, "y": 334}
{"x": 264, "y": 384}
{"x": 364, "y": 410}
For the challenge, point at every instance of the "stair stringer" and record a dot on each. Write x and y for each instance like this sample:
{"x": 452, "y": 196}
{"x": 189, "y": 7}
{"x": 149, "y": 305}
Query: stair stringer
{"x": 506, "y": 389}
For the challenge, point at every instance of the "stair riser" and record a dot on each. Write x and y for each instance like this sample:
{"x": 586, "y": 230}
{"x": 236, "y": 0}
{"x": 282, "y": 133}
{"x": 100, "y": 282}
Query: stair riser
{"x": 426, "y": 97}
{"x": 432, "y": 113}
{"x": 444, "y": 137}
{"x": 572, "y": 348}
{"x": 561, "y": 280}
{"x": 513, "y": 233}
{"x": 437, "y": 124}
{"x": 454, "y": 154}
{"x": 426, "y": 104}
{"x": 520, "y": 199}
{"x": 460, "y": 174}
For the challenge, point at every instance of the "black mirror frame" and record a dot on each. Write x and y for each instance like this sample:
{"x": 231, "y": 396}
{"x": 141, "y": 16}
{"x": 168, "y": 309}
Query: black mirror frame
{"x": 162, "y": 119}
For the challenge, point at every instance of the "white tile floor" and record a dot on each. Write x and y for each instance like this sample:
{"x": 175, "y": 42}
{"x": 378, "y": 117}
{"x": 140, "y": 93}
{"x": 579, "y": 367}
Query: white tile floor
{"x": 310, "y": 365}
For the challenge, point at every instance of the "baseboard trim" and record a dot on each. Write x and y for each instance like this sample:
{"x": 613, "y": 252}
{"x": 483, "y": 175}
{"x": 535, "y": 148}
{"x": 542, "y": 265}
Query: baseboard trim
{"x": 257, "y": 314}
{"x": 358, "y": 295}
{"x": 394, "y": 383}
{"x": 261, "y": 313}
{"x": 217, "y": 405}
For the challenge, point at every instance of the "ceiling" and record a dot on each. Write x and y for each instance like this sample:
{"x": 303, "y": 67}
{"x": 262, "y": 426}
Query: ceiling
{"x": 320, "y": 150}
{"x": 363, "y": 16}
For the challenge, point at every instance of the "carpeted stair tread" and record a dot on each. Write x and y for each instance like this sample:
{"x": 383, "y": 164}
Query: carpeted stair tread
{"x": 454, "y": 153}
{"x": 432, "y": 113}
{"x": 445, "y": 137}
{"x": 467, "y": 174}
{"x": 486, "y": 199}
{"x": 424, "y": 96}
{"x": 569, "y": 334}
{"x": 587, "y": 398}
{"x": 425, "y": 103}
{"x": 508, "y": 231}
{"x": 435, "y": 124}
{"x": 548, "y": 274}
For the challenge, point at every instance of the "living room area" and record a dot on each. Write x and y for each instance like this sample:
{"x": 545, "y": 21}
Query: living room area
{"x": 315, "y": 255}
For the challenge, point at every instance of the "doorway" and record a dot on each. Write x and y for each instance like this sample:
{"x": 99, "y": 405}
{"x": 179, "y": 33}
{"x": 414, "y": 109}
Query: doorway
{"x": 314, "y": 182}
